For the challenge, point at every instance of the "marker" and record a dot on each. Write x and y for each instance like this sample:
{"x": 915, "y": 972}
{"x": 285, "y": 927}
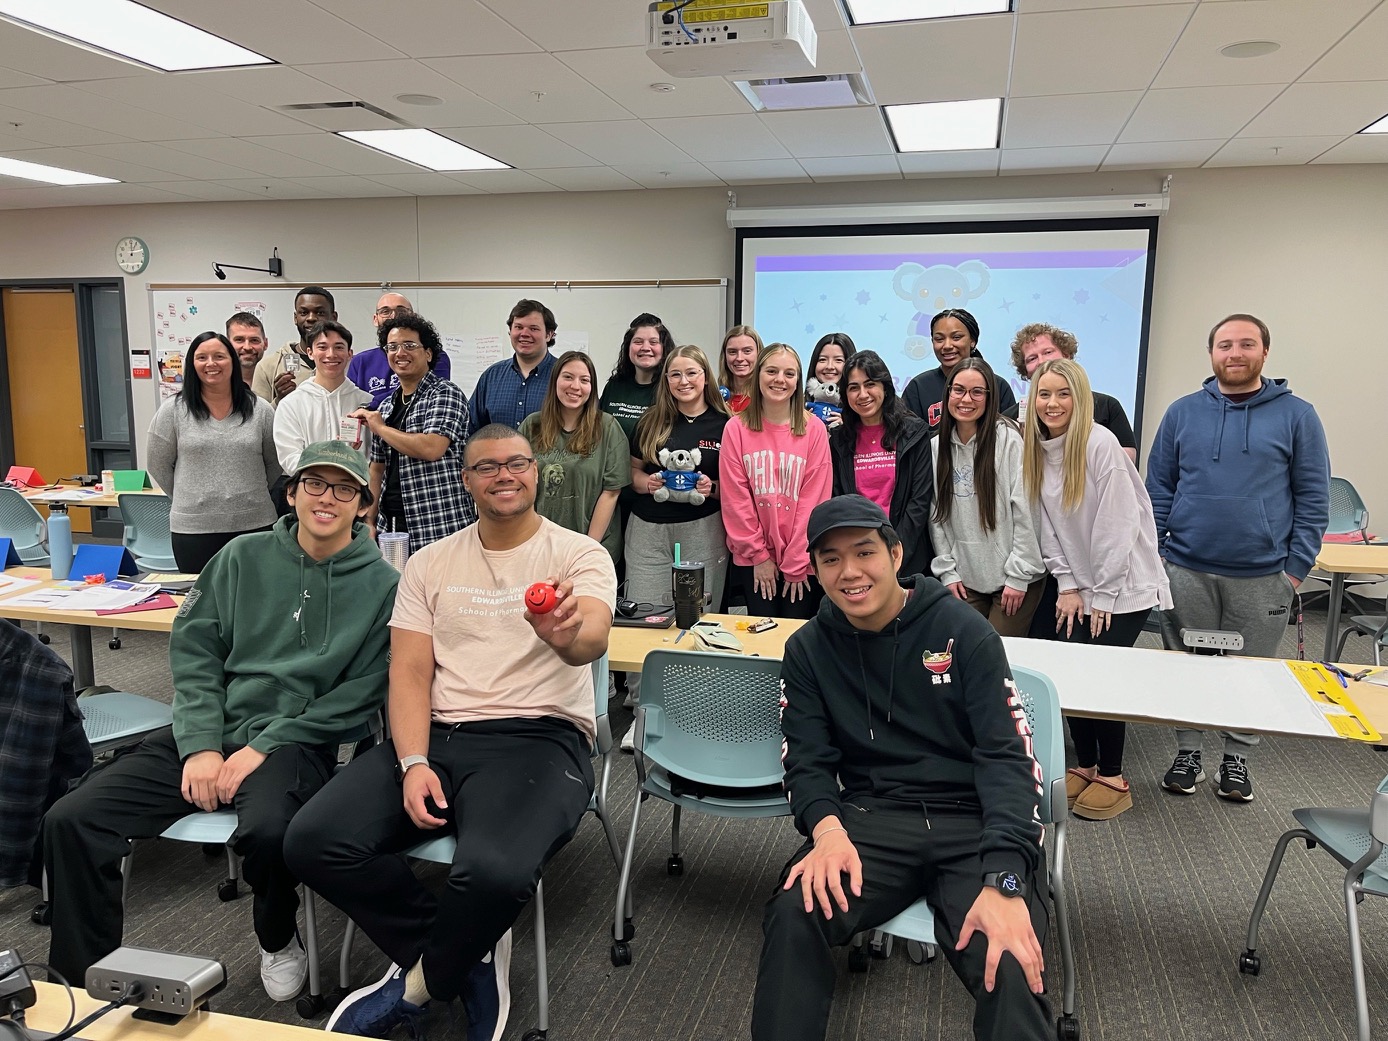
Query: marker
{"x": 681, "y": 635}
{"x": 1335, "y": 671}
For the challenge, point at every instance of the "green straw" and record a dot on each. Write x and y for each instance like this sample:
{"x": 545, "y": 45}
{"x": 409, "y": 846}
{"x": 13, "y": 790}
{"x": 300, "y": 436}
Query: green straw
{"x": 677, "y": 554}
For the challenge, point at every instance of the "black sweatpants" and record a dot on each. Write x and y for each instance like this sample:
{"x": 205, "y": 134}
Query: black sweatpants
{"x": 136, "y": 796}
{"x": 516, "y": 791}
{"x": 903, "y": 860}
{"x": 1099, "y": 742}
{"x": 778, "y": 606}
{"x": 192, "y": 552}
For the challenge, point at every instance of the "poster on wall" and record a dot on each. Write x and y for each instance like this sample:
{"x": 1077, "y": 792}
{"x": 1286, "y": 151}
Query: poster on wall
{"x": 170, "y": 374}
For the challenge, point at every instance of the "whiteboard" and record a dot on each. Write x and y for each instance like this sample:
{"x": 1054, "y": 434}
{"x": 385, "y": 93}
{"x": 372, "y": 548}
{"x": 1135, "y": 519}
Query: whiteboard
{"x": 471, "y": 318}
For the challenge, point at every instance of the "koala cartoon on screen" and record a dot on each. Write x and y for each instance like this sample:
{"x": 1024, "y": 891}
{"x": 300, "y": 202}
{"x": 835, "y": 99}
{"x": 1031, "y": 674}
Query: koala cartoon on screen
{"x": 932, "y": 290}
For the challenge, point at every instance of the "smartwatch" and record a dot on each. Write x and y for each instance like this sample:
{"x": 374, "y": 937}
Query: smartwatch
{"x": 1008, "y": 883}
{"x": 403, "y": 766}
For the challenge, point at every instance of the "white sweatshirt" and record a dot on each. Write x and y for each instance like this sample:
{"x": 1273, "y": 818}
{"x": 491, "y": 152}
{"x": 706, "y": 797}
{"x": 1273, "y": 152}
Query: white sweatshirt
{"x": 1107, "y": 548}
{"x": 313, "y": 414}
{"x": 965, "y": 552}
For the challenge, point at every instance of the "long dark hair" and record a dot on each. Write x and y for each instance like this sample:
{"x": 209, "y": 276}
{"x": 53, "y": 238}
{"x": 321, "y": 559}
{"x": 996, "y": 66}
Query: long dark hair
{"x": 588, "y": 433}
{"x": 242, "y": 400}
{"x": 625, "y": 369}
{"x": 841, "y": 340}
{"x": 894, "y": 410}
{"x": 985, "y": 442}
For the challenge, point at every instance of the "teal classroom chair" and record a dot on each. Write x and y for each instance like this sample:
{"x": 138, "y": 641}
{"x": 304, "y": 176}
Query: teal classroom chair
{"x": 708, "y": 739}
{"x": 1354, "y": 838}
{"x": 24, "y": 526}
{"x": 147, "y": 531}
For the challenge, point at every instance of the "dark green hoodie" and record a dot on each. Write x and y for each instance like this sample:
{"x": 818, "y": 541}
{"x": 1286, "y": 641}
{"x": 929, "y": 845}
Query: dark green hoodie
{"x": 273, "y": 648}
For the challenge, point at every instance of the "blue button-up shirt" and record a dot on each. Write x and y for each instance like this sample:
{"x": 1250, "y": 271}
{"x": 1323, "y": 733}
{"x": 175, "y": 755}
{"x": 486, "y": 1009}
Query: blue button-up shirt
{"x": 504, "y": 395}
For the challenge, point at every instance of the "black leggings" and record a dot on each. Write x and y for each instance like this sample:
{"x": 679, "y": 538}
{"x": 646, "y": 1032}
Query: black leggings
{"x": 1100, "y": 741}
{"x": 192, "y": 552}
{"x": 778, "y": 606}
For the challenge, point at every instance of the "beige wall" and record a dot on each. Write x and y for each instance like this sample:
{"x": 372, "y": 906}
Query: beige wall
{"x": 1302, "y": 247}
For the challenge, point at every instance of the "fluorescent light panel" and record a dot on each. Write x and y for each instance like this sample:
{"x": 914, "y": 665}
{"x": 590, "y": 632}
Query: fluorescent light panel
{"x": 424, "y": 148}
{"x": 48, "y": 174}
{"x": 945, "y": 126}
{"x": 1379, "y": 127}
{"x": 124, "y": 29}
{"x": 868, "y": 12}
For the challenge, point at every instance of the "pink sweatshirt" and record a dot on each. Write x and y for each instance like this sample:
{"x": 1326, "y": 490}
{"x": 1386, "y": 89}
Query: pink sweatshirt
{"x": 771, "y": 480}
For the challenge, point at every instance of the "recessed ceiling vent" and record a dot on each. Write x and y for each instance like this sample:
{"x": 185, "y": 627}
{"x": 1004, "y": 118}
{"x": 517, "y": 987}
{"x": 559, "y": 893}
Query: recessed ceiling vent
{"x": 344, "y": 115}
{"x": 801, "y": 92}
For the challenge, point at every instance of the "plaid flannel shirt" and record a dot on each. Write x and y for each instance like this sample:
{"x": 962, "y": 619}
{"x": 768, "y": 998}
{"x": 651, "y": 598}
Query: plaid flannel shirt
{"x": 43, "y": 747}
{"x": 436, "y": 504}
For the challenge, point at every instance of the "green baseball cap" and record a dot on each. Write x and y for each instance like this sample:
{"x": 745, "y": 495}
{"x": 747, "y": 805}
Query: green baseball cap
{"x": 337, "y": 454}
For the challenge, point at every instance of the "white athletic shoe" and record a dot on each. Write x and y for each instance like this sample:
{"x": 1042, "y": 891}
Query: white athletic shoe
{"x": 629, "y": 740}
{"x": 283, "y": 973}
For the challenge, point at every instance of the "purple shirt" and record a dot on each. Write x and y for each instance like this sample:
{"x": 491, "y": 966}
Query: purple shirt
{"x": 370, "y": 370}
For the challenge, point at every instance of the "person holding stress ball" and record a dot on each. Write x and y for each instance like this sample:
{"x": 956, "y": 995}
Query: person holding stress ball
{"x": 540, "y": 598}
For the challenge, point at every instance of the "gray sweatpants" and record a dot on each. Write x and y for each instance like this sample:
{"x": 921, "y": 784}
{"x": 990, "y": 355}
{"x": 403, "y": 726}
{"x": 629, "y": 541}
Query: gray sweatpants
{"x": 650, "y": 553}
{"x": 1255, "y": 607}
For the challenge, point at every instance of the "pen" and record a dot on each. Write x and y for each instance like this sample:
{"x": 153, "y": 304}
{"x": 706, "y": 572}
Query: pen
{"x": 1336, "y": 671}
{"x": 683, "y": 631}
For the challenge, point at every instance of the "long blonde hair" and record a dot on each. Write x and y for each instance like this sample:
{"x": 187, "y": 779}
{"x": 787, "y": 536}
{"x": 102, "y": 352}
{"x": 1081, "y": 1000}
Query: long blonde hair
{"x": 1077, "y": 440}
{"x": 588, "y": 432}
{"x": 654, "y": 427}
{"x": 725, "y": 378}
{"x": 754, "y": 414}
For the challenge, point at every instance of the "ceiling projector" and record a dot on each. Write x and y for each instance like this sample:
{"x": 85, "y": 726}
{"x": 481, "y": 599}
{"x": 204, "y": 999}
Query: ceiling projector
{"x": 733, "y": 40}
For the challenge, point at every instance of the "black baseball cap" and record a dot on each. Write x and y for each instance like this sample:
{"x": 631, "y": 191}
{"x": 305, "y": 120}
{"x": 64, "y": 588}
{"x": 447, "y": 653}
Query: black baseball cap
{"x": 844, "y": 511}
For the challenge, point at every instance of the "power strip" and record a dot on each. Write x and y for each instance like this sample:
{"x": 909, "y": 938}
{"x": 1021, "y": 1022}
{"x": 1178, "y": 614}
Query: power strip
{"x": 1215, "y": 640}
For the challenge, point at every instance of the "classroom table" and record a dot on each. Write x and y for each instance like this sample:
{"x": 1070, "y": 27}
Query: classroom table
{"x": 81, "y": 623}
{"x": 51, "y": 1013}
{"x": 94, "y": 500}
{"x": 1346, "y": 558}
{"x": 1136, "y": 684}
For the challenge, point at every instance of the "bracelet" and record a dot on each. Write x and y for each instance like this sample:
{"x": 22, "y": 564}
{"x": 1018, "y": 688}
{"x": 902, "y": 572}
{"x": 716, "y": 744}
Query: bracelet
{"x": 828, "y": 831}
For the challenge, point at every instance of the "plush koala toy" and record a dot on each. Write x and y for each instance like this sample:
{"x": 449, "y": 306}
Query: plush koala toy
{"x": 824, "y": 399}
{"x": 681, "y": 475}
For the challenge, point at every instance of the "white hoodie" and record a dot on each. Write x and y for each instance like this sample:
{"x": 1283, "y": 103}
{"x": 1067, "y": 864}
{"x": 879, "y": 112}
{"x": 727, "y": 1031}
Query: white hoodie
{"x": 313, "y": 414}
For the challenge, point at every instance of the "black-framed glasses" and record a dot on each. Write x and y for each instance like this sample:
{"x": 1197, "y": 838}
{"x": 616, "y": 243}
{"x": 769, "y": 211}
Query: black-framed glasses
{"x": 404, "y": 346}
{"x": 958, "y": 391}
{"x": 517, "y": 464}
{"x": 341, "y": 492}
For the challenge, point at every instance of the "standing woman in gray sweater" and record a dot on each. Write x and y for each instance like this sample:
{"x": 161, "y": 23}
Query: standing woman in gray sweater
{"x": 212, "y": 450}
{"x": 1099, "y": 539}
{"x": 986, "y": 552}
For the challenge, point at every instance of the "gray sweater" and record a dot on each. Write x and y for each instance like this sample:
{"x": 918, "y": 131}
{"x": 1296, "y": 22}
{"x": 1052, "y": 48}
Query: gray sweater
{"x": 217, "y": 472}
{"x": 965, "y": 552}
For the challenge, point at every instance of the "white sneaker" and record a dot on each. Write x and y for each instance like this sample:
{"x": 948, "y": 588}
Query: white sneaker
{"x": 629, "y": 740}
{"x": 283, "y": 973}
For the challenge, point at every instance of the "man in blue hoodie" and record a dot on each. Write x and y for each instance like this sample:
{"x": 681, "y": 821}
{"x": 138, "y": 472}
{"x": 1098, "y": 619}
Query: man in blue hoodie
{"x": 1239, "y": 477}
{"x": 909, "y": 772}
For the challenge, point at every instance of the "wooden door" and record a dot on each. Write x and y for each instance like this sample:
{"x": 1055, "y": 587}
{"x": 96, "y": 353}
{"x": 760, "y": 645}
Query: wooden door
{"x": 46, "y": 385}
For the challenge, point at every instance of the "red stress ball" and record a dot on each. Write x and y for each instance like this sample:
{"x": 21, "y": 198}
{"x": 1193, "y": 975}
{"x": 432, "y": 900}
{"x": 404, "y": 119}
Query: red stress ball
{"x": 541, "y": 598}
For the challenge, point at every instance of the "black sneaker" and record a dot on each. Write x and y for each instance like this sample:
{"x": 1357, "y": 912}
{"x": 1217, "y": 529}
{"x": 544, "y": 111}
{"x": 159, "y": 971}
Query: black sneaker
{"x": 1185, "y": 773}
{"x": 1233, "y": 780}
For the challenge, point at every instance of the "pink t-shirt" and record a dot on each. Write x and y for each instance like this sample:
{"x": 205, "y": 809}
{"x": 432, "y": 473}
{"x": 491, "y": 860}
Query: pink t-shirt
{"x": 874, "y": 467}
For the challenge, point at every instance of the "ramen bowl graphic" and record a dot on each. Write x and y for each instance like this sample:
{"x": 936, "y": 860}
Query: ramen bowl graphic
{"x": 939, "y": 661}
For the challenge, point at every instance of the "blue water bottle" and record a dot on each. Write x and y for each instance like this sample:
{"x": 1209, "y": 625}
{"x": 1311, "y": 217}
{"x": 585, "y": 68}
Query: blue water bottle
{"x": 59, "y": 542}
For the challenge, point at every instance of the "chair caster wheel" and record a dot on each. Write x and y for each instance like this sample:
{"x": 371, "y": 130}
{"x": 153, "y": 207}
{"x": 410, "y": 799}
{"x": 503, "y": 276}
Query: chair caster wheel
{"x": 1250, "y": 964}
{"x": 920, "y": 953}
{"x": 628, "y": 930}
{"x": 309, "y": 1005}
{"x": 44, "y": 639}
{"x": 535, "y": 1034}
{"x": 621, "y": 954}
{"x": 227, "y": 890}
{"x": 1067, "y": 1028}
{"x": 114, "y": 643}
{"x": 674, "y": 866}
{"x": 858, "y": 959}
{"x": 42, "y": 914}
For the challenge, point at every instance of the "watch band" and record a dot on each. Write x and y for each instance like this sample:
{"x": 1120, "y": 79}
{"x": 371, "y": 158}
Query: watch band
{"x": 412, "y": 760}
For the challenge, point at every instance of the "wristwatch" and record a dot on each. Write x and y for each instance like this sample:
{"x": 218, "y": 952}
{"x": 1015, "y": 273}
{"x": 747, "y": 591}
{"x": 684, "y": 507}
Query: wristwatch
{"x": 1008, "y": 883}
{"x": 403, "y": 767}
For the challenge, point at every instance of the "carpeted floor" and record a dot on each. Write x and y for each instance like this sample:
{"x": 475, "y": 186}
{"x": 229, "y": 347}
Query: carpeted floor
{"x": 1160, "y": 902}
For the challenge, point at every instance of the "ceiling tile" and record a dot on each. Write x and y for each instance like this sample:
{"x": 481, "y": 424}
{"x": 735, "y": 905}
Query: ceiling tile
{"x": 1085, "y": 52}
{"x": 1195, "y": 61}
{"x": 347, "y": 187}
{"x": 589, "y": 179}
{"x": 267, "y": 163}
{"x": 919, "y": 61}
{"x": 625, "y": 75}
{"x": 1067, "y": 119}
{"x": 831, "y": 131}
{"x": 435, "y": 28}
{"x": 171, "y": 160}
{"x": 185, "y": 97}
{"x": 337, "y": 153}
{"x": 620, "y": 141}
{"x": 206, "y": 191}
{"x": 79, "y": 106}
{"x": 30, "y": 126}
{"x": 576, "y": 26}
{"x": 853, "y": 167}
{"x": 835, "y": 52}
{"x": 1065, "y": 159}
{"x": 673, "y": 175}
{"x": 721, "y": 138}
{"x": 1359, "y": 56}
{"x": 378, "y": 83}
{"x": 425, "y": 183}
{"x": 1030, "y": 6}
{"x": 1193, "y": 113}
{"x": 1160, "y": 155}
{"x": 1319, "y": 109}
{"x": 93, "y": 194}
{"x": 752, "y": 171}
{"x": 276, "y": 188}
{"x": 502, "y": 182}
{"x": 101, "y": 166}
{"x": 1363, "y": 148}
{"x": 292, "y": 32}
{"x": 1271, "y": 151}
{"x": 524, "y": 147}
{"x": 513, "y": 81}
{"x": 14, "y": 78}
{"x": 270, "y": 85}
{"x": 981, "y": 161}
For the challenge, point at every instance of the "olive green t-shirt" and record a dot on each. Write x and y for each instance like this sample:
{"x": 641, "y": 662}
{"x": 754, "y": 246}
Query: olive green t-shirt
{"x": 569, "y": 484}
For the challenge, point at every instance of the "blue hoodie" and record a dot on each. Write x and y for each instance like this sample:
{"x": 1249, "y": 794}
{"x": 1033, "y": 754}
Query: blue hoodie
{"x": 1243, "y": 489}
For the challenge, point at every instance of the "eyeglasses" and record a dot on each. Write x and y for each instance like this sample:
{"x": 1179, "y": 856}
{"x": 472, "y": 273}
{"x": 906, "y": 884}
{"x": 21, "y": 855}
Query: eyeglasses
{"x": 341, "y": 492}
{"x": 977, "y": 393}
{"x": 690, "y": 377}
{"x": 517, "y": 464}
{"x": 391, "y": 312}
{"x": 405, "y": 346}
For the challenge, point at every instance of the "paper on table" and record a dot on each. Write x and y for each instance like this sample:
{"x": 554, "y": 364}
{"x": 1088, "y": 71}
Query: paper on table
{"x": 50, "y": 597}
{"x": 65, "y": 495}
{"x": 14, "y": 583}
{"x": 1378, "y": 677}
{"x": 109, "y": 595}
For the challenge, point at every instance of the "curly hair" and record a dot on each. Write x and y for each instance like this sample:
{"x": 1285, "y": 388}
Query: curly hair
{"x": 1065, "y": 343}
